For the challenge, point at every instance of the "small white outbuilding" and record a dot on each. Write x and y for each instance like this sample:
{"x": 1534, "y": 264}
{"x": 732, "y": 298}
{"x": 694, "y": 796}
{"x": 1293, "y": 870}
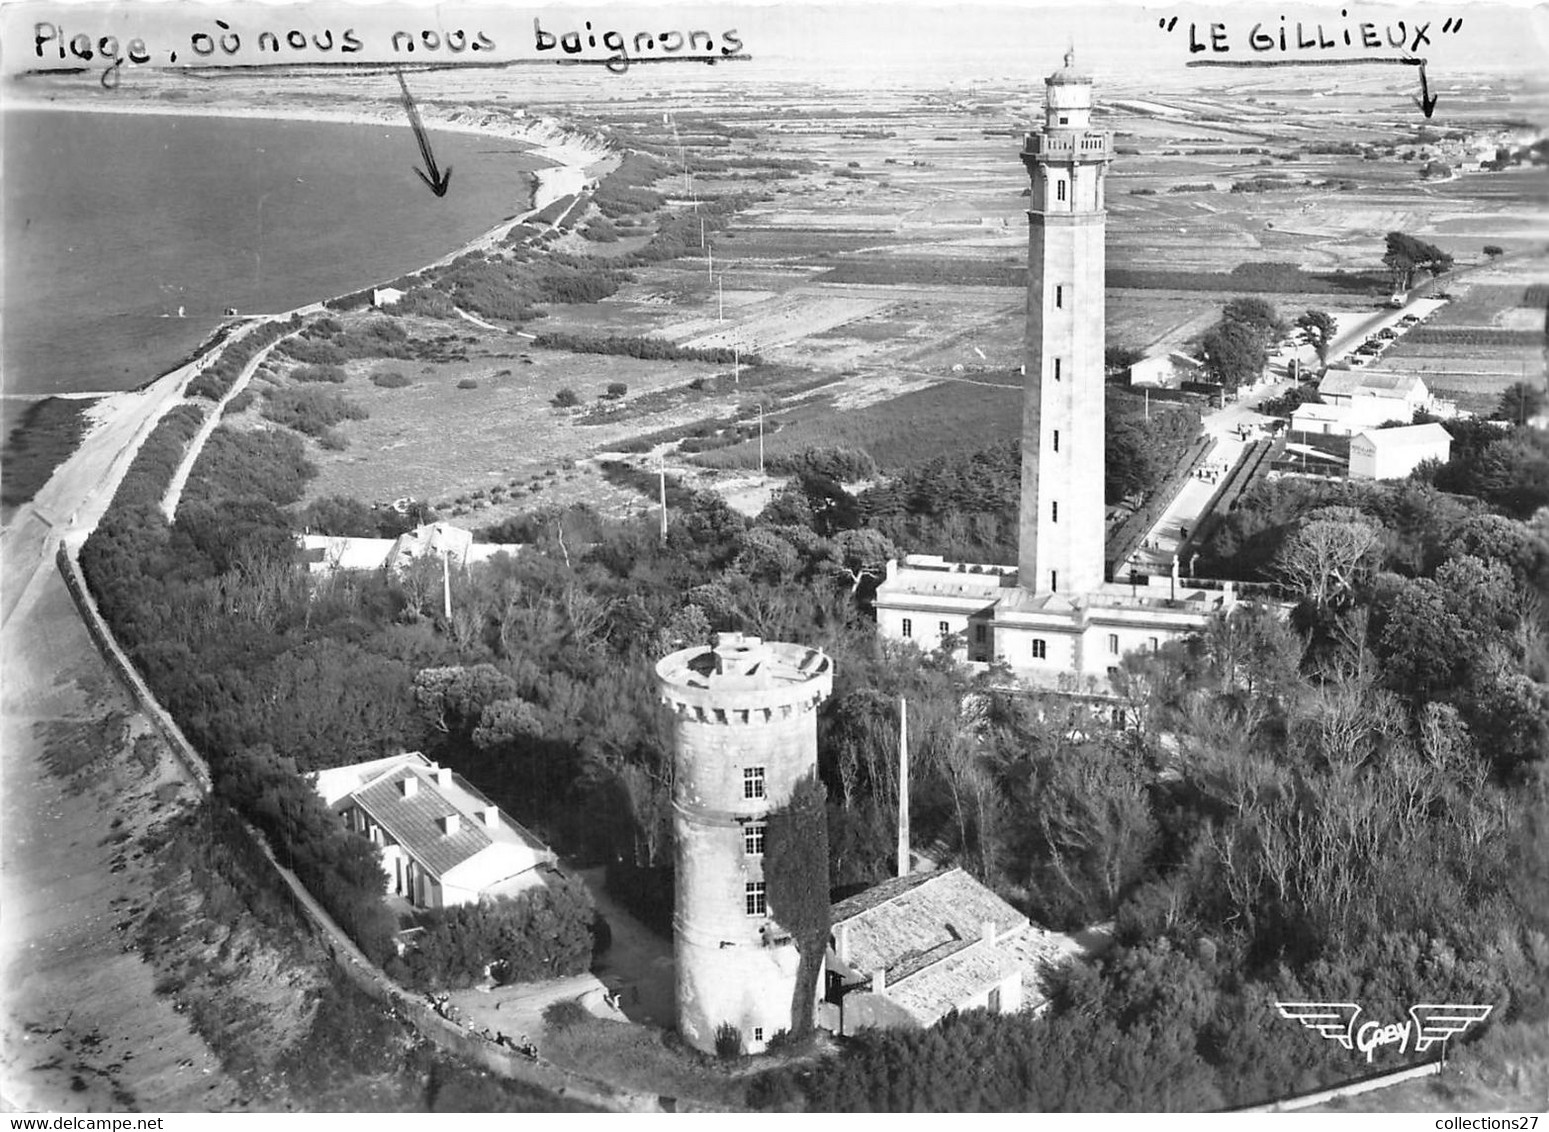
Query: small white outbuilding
{"x": 1392, "y": 453}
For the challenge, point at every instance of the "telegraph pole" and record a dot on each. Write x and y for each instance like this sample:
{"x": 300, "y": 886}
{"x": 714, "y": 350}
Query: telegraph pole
{"x": 662, "y": 479}
{"x": 903, "y": 787}
{"x": 761, "y": 476}
{"x": 446, "y": 586}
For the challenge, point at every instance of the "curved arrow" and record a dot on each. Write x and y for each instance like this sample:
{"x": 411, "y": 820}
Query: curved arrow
{"x": 1425, "y": 102}
{"x": 435, "y": 180}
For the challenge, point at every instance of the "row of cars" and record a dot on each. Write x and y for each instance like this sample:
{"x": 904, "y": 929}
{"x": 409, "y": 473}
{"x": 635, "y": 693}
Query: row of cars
{"x": 1376, "y": 343}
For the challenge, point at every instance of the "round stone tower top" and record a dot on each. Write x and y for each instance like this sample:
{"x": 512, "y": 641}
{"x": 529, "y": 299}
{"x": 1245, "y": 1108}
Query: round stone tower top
{"x": 739, "y": 675}
{"x": 1068, "y": 75}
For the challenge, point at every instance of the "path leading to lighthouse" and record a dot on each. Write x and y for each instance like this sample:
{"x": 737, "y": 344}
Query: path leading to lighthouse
{"x": 1233, "y": 427}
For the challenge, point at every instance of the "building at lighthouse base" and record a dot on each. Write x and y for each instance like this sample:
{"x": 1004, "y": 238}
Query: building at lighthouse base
{"x": 1056, "y": 640}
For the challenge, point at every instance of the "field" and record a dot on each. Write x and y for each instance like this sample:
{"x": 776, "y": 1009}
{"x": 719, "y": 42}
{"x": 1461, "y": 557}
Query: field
{"x": 1487, "y": 338}
{"x": 882, "y": 272}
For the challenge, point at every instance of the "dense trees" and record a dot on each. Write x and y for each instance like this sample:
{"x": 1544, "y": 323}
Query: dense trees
{"x": 1236, "y": 348}
{"x": 1520, "y": 402}
{"x": 544, "y": 932}
{"x": 1407, "y": 254}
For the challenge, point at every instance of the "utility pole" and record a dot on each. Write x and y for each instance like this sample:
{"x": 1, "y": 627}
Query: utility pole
{"x": 736, "y": 366}
{"x": 761, "y": 477}
{"x": 709, "y": 261}
{"x": 661, "y": 470}
{"x": 720, "y": 298}
{"x": 701, "y": 231}
{"x": 903, "y": 787}
{"x": 446, "y": 586}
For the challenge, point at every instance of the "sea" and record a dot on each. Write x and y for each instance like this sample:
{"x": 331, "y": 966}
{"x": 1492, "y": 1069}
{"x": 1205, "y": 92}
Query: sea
{"x": 126, "y": 236}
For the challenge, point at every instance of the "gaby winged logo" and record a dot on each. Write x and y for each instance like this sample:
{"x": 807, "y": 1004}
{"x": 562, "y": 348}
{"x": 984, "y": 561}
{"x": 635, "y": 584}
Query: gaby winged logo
{"x": 1430, "y": 1023}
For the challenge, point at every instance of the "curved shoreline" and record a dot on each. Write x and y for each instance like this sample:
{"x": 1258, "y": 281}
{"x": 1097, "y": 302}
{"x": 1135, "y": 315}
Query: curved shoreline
{"x": 572, "y": 154}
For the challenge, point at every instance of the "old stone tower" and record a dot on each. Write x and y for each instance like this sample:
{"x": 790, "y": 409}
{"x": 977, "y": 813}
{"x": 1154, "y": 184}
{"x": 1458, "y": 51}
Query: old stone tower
{"x": 744, "y": 733}
{"x": 1061, "y": 530}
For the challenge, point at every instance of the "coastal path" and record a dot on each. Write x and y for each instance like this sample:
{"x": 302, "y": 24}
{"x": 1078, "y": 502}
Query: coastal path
{"x": 69, "y": 506}
{"x": 212, "y": 422}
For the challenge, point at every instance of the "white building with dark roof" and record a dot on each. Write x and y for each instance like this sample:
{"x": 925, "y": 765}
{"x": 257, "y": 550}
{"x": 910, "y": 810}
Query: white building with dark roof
{"x": 911, "y": 950}
{"x": 443, "y": 842}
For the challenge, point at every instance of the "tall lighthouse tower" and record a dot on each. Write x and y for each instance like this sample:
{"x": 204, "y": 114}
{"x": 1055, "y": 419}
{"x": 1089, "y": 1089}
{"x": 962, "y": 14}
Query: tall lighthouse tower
{"x": 744, "y": 734}
{"x": 1061, "y": 530}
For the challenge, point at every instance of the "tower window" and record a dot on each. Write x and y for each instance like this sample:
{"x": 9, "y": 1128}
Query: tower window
{"x": 1155, "y": 646}
{"x": 1056, "y": 369}
{"x": 758, "y": 1033}
{"x": 1040, "y": 649}
{"x": 1056, "y": 440}
{"x": 1113, "y": 643}
{"x": 908, "y": 628}
{"x": 753, "y": 898}
{"x": 752, "y": 782}
{"x": 1054, "y": 580}
{"x": 1059, "y": 295}
{"x": 1059, "y": 190}
{"x": 945, "y": 627}
{"x": 1054, "y": 511}
{"x": 1064, "y": 119}
{"x": 979, "y": 634}
{"x": 753, "y": 839}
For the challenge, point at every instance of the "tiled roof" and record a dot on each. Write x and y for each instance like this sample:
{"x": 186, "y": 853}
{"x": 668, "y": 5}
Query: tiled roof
{"x": 893, "y": 925}
{"x": 1350, "y": 383}
{"x": 953, "y": 979}
{"x": 414, "y": 821}
{"x": 1412, "y": 436}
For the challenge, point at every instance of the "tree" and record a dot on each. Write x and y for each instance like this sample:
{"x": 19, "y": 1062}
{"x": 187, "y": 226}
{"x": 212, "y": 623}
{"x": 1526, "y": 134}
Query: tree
{"x": 1234, "y": 354}
{"x": 566, "y": 398}
{"x": 1317, "y": 328}
{"x": 1405, "y": 255}
{"x": 1520, "y": 402}
{"x": 1256, "y": 313}
{"x": 863, "y": 553}
{"x": 1493, "y": 250}
{"x": 1118, "y": 359}
{"x": 796, "y": 871}
{"x": 1328, "y": 556}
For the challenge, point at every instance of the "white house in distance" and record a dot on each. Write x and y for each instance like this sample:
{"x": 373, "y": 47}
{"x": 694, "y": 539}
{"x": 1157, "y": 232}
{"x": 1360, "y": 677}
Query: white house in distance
{"x": 326, "y": 553}
{"x": 1166, "y": 371}
{"x": 1392, "y": 453}
{"x": 909, "y": 951}
{"x": 385, "y": 296}
{"x": 443, "y": 842}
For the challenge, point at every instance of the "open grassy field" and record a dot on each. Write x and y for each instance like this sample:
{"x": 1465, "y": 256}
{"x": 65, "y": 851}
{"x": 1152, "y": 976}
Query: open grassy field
{"x": 1486, "y": 338}
{"x": 882, "y": 271}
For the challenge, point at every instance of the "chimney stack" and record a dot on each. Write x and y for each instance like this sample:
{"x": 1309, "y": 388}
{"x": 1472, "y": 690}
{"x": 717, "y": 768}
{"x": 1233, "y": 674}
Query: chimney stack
{"x": 878, "y": 981}
{"x": 491, "y": 816}
{"x": 450, "y": 824}
{"x": 842, "y": 942}
{"x": 409, "y": 785}
{"x": 444, "y": 777}
{"x": 989, "y": 931}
